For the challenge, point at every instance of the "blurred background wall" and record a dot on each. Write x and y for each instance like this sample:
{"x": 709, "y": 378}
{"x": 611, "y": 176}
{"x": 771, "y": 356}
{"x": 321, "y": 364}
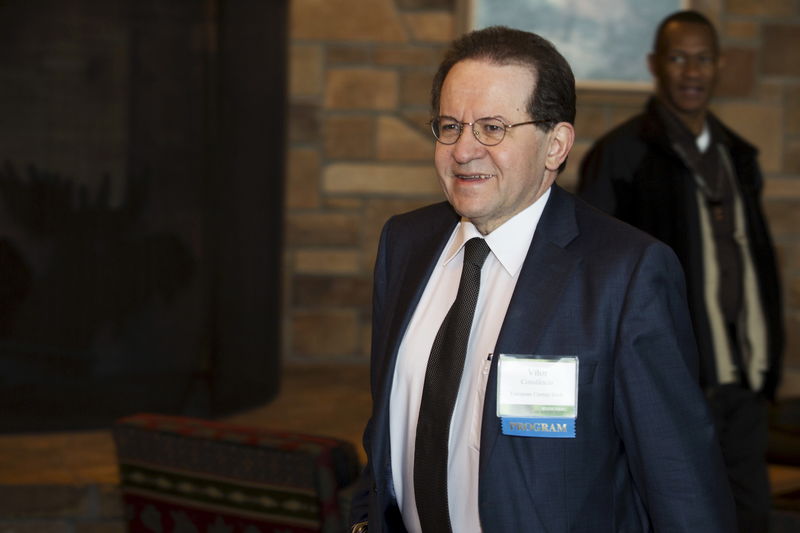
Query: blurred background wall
{"x": 360, "y": 149}
{"x": 191, "y": 191}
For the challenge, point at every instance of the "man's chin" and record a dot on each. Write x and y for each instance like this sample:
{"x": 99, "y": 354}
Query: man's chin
{"x": 692, "y": 105}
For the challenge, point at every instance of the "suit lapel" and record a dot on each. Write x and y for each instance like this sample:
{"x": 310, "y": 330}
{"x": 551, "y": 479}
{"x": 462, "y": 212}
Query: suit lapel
{"x": 425, "y": 241}
{"x": 544, "y": 275}
{"x": 419, "y": 261}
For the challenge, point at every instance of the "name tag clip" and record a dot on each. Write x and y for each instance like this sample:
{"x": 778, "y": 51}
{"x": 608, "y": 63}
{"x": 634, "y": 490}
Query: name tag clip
{"x": 537, "y": 395}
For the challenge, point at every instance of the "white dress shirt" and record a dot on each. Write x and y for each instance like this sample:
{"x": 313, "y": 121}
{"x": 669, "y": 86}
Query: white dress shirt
{"x": 509, "y": 245}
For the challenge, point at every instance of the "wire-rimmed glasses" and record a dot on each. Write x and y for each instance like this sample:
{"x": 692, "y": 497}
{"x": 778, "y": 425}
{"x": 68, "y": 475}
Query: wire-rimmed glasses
{"x": 489, "y": 131}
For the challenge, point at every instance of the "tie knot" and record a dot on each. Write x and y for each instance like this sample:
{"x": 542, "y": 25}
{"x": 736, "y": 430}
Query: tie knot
{"x": 475, "y": 251}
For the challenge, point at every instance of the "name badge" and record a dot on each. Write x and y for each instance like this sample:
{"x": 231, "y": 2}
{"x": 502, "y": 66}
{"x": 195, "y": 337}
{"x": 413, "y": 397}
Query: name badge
{"x": 537, "y": 396}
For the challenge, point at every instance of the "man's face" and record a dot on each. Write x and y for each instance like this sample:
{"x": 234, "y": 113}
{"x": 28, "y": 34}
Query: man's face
{"x": 490, "y": 184}
{"x": 685, "y": 67}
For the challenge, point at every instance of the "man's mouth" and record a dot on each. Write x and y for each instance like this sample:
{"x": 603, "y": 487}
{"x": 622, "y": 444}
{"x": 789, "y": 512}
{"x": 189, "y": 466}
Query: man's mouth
{"x": 474, "y": 177}
{"x": 692, "y": 90}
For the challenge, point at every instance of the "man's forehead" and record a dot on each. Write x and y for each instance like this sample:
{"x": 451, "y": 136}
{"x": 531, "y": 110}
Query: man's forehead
{"x": 681, "y": 34}
{"x": 485, "y": 77}
{"x": 489, "y": 72}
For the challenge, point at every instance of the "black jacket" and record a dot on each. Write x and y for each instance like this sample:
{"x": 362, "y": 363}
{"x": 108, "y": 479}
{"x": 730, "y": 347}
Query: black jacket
{"x": 634, "y": 174}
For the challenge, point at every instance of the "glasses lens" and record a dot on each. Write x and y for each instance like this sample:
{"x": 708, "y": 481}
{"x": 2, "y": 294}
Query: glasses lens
{"x": 489, "y": 131}
{"x": 446, "y": 130}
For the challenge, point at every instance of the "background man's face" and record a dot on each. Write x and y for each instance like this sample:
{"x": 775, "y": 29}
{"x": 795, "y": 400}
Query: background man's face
{"x": 490, "y": 184}
{"x": 685, "y": 67}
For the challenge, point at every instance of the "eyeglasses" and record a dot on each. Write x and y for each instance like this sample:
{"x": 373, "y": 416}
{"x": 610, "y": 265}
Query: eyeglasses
{"x": 489, "y": 130}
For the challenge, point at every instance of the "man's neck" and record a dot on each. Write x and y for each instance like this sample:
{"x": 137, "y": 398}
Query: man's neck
{"x": 693, "y": 121}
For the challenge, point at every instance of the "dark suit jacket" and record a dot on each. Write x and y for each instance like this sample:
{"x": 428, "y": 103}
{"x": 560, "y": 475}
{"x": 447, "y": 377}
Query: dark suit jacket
{"x": 645, "y": 456}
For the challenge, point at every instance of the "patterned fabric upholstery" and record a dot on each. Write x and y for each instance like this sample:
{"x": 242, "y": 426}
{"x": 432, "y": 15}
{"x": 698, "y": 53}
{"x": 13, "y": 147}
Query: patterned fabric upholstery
{"x": 187, "y": 475}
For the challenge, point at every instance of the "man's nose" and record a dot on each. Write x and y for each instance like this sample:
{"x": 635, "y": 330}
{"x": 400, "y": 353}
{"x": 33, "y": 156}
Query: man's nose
{"x": 693, "y": 66}
{"x": 467, "y": 147}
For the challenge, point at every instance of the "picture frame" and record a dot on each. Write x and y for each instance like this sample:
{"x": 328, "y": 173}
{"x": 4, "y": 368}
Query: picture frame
{"x": 605, "y": 41}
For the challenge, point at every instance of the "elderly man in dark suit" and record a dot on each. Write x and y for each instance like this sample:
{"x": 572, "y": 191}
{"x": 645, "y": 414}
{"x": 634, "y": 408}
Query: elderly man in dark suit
{"x": 533, "y": 363}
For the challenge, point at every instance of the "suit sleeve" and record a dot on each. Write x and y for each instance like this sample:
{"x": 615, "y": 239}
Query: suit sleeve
{"x": 659, "y": 408}
{"x": 594, "y": 181}
{"x": 359, "y": 508}
{"x": 605, "y": 179}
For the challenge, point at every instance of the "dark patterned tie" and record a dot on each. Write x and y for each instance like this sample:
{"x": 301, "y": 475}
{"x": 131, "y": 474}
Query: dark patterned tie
{"x": 442, "y": 378}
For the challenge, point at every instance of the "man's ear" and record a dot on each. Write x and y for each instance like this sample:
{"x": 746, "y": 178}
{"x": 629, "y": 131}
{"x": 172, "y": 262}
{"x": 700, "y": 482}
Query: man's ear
{"x": 720, "y": 61}
{"x": 562, "y": 136}
{"x": 651, "y": 64}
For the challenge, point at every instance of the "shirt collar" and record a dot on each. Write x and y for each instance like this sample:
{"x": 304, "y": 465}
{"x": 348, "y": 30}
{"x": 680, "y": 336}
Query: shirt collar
{"x": 704, "y": 139}
{"x": 504, "y": 241}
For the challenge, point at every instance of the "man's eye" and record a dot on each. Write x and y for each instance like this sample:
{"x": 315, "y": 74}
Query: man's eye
{"x": 450, "y": 126}
{"x": 491, "y": 128}
{"x": 677, "y": 59}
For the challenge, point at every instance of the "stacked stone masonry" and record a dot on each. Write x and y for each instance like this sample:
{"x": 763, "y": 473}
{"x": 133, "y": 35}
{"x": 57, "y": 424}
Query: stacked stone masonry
{"x": 360, "y": 149}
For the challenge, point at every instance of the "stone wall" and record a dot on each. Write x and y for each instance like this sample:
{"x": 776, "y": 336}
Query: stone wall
{"x": 360, "y": 149}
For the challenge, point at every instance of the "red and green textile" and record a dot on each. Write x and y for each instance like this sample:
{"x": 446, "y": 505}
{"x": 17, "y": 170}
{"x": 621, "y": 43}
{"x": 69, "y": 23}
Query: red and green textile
{"x": 178, "y": 472}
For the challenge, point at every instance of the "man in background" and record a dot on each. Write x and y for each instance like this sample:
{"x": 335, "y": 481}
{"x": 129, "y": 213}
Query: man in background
{"x": 532, "y": 365}
{"x": 681, "y": 175}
